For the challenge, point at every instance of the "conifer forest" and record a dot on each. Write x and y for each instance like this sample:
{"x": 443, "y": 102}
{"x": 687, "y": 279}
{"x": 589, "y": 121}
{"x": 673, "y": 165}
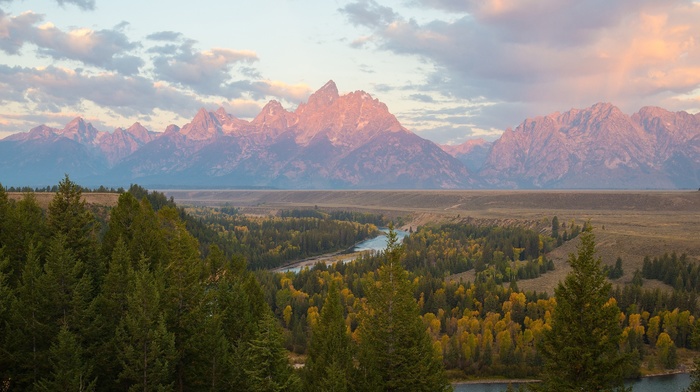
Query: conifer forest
{"x": 151, "y": 296}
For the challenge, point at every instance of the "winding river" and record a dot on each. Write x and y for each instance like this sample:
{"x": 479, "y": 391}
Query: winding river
{"x": 374, "y": 244}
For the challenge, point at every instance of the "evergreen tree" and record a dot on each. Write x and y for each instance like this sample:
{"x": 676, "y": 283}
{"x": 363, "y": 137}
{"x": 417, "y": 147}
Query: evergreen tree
{"x": 108, "y": 308}
{"x": 241, "y": 303}
{"x": 68, "y": 216}
{"x": 121, "y": 223}
{"x": 67, "y": 286}
{"x": 69, "y": 369}
{"x": 395, "y": 352}
{"x": 6, "y": 298}
{"x": 31, "y": 226}
{"x": 150, "y": 241}
{"x": 146, "y": 349}
{"x": 29, "y": 339}
{"x": 555, "y": 227}
{"x": 329, "y": 363}
{"x": 184, "y": 299}
{"x": 581, "y": 350}
{"x": 267, "y": 368}
{"x": 5, "y": 221}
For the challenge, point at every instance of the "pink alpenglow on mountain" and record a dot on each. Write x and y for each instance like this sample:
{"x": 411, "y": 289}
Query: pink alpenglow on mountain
{"x": 352, "y": 141}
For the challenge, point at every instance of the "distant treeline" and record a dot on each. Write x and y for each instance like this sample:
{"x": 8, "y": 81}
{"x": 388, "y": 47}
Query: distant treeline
{"x": 273, "y": 241}
{"x": 54, "y": 189}
{"x": 673, "y": 270}
{"x": 352, "y": 216}
{"x": 503, "y": 253}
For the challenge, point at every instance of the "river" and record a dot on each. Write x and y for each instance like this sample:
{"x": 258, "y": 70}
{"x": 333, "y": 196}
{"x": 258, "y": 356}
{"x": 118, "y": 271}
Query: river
{"x": 669, "y": 383}
{"x": 373, "y": 244}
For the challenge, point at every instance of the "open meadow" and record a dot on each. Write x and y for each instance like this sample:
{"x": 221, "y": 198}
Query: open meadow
{"x": 628, "y": 224}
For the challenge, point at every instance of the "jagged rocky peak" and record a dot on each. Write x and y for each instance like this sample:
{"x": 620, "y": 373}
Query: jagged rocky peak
{"x": 77, "y": 125}
{"x": 202, "y": 116}
{"x": 270, "y": 113}
{"x": 139, "y": 132}
{"x": 222, "y": 113}
{"x": 79, "y": 131}
{"x": 204, "y": 126}
{"x": 325, "y": 96}
{"x": 137, "y": 129}
{"x": 172, "y": 128}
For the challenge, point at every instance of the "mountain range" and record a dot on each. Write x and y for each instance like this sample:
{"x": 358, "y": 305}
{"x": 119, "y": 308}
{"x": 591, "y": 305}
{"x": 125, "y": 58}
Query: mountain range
{"x": 353, "y": 142}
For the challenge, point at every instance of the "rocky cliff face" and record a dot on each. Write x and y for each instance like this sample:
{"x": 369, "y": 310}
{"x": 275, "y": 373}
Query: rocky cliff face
{"x": 472, "y": 153}
{"x": 597, "y": 147}
{"x": 331, "y": 141}
{"x": 353, "y": 141}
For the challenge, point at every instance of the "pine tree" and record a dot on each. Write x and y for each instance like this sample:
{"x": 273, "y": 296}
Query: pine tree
{"x": 6, "y": 298}
{"x": 329, "y": 363}
{"x": 31, "y": 225}
{"x": 555, "y": 227}
{"x": 108, "y": 308}
{"x": 67, "y": 286}
{"x": 68, "y": 216}
{"x": 581, "y": 350}
{"x": 267, "y": 368}
{"x": 5, "y": 221}
{"x": 69, "y": 369}
{"x": 29, "y": 339}
{"x": 121, "y": 223}
{"x": 395, "y": 352}
{"x": 145, "y": 348}
{"x": 184, "y": 299}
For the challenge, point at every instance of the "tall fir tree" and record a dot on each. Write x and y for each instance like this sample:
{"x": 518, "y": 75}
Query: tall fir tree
{"x": 121, "y": 224}
{"x": 329, "y": 362}
{"x": 67, "y": 286}
{"x": 184, "y": 299}
{"x": 267, "y": 367}
{"x": 70, "y": 370}
{"x": 5, "y": 221}
{"x": 108, "y": 308}
{"x": 582, "y": 348}
{"x": 395, "y": 352}
{"x": 29, "y": 339}
{"x": 69, "y": 216}
{"x": 145, "y": 347}
{"x": 30, "y": 229}
{"x": 6, "y": 298}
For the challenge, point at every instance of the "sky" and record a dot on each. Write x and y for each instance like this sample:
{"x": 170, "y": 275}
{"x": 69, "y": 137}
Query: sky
{"x": 449, "y": 70}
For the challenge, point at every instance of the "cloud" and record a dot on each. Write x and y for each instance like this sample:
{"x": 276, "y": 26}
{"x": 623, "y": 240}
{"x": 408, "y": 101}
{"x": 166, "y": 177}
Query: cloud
{"x": 164, "y": 36}
{"x": 87, "y": 5}
{"x": 205, "y": 72}
{"x": 292, "y": 93}
{"x": 54, "y": 88}
{"x": 107, "y": 49}
{"x": 368, "y": 13}
{"x": 84, "y": 4}
{"x": 422, "y": 98}
{"x": 546, "y": 55}
{"x": 242, "y": 108}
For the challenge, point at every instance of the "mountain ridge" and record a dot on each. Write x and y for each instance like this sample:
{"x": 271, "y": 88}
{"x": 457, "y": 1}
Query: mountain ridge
{"x": 352, "y": 141}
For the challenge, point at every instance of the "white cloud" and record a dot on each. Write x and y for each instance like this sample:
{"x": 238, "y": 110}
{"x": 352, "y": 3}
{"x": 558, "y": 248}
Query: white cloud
{"x": 108, "y": 49}
{"x": 536, "y": 56}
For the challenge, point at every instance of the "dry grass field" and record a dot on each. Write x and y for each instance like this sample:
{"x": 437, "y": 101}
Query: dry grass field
{"x": 99, "y": 199}
{"x": 628, "y": 224}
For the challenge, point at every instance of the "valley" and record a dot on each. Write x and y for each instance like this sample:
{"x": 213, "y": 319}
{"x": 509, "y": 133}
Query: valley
{"x": 628, "y": 224}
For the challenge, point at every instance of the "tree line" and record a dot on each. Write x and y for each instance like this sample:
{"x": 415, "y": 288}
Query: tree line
{"x": 135, "y": 306}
